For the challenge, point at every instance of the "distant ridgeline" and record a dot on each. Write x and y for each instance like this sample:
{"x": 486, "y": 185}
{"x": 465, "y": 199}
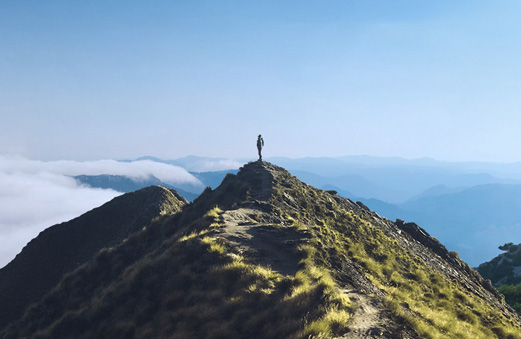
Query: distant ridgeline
{"x": 262, "y": 255}
{"x": 125, "y": 184}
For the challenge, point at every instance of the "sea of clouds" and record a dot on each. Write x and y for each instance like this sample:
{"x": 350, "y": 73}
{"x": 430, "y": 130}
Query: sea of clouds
{"x": 37, "y": 194}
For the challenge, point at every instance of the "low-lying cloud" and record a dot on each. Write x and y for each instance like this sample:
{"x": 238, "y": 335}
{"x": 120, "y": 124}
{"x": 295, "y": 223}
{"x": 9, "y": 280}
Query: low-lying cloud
{"x": 36, "y": 194}
{"x": 142, "y": 169}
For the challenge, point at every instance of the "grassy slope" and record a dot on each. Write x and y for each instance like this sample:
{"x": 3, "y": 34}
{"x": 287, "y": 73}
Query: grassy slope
{"x": 435, "y": 306}
{"x": 62, "y": 248}
{"x": 179, "y": 278}
{"x": 190, "y": 286}
{"x": 512, "y": 295}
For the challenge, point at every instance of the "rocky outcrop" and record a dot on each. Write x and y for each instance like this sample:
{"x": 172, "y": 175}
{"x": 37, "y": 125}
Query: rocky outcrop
{"x": 505, "y": 268}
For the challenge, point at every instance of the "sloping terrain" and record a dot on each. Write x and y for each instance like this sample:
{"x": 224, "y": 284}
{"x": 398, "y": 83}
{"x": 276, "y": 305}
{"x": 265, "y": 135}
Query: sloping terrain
{"x": 505, "y": 268}
{"x": 505, "y": 273}
{"x": 471, "y": 220}
{"x": 267, "y": 256}
{"x": 64, "y": 247}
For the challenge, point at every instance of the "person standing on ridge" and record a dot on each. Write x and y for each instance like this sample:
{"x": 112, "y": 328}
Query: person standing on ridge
{"x": 260, "y": 143}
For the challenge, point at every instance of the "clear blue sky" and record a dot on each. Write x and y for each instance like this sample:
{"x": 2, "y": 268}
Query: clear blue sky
{"x": 120, "y": 79}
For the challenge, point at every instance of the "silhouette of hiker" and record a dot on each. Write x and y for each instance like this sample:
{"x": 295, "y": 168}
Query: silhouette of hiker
{"x": 260, "y": 143}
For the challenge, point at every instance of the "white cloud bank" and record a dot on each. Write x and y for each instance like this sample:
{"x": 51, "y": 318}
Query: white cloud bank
{"x": 35, "y": 194}
{"x": 141, "y": 169}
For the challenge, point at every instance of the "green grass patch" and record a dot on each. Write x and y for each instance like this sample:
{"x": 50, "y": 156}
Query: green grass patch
{"x": 434, "y": 306}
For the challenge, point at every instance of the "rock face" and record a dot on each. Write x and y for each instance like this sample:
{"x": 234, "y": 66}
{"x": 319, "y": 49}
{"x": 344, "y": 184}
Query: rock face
{"x": 64, "y": 247}
{"x": 267, "y": 256}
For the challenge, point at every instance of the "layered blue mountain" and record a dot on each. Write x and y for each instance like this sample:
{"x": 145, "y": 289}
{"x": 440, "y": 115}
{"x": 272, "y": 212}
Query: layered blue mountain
{"x": 125, "y": 184}
{"x": 472, "y": 221}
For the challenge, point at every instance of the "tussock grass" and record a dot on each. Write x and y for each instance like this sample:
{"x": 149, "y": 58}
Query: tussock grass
{"x": 434, "y": 306}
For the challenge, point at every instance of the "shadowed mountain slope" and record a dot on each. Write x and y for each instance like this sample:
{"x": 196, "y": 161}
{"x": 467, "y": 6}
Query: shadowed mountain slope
{"x": 505, "y": 268}
{"x": 505, "y": 273}
{"x": 267, "y": 256}
{"x": 62, "y": 248}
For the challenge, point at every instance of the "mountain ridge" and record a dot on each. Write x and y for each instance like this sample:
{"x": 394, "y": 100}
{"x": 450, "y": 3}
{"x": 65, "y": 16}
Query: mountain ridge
{"x": 64, "y": 247}
{"x": 266, "y": 255}
{"x": 396, "y": 180}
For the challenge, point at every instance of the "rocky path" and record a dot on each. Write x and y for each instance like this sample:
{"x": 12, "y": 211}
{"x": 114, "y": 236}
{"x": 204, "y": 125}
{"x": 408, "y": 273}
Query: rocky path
{"x": 372, "y": 320}
{"x": 267, "y": 244}
{"x": 262, "y": 193}
{"x": 369, "y": 317}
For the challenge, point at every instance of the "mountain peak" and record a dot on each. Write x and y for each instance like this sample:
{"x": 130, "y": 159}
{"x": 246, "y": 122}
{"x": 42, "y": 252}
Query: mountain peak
{"x": 261, "y": 177}
{"x": 252, "y": 185}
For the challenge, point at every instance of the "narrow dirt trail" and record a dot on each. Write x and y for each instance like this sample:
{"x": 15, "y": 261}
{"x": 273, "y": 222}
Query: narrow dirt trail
{"x": 263, "y": 192}
{"x": 369, "y": 318}
{"x": 269, "y": 245}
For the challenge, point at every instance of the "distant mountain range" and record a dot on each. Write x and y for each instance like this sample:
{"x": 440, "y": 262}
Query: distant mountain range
{"x": 473, "y": 220}
{"x": 199, "y": 164}
{"x": 394, "y": 180}
{"x": 124, "y": 184}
